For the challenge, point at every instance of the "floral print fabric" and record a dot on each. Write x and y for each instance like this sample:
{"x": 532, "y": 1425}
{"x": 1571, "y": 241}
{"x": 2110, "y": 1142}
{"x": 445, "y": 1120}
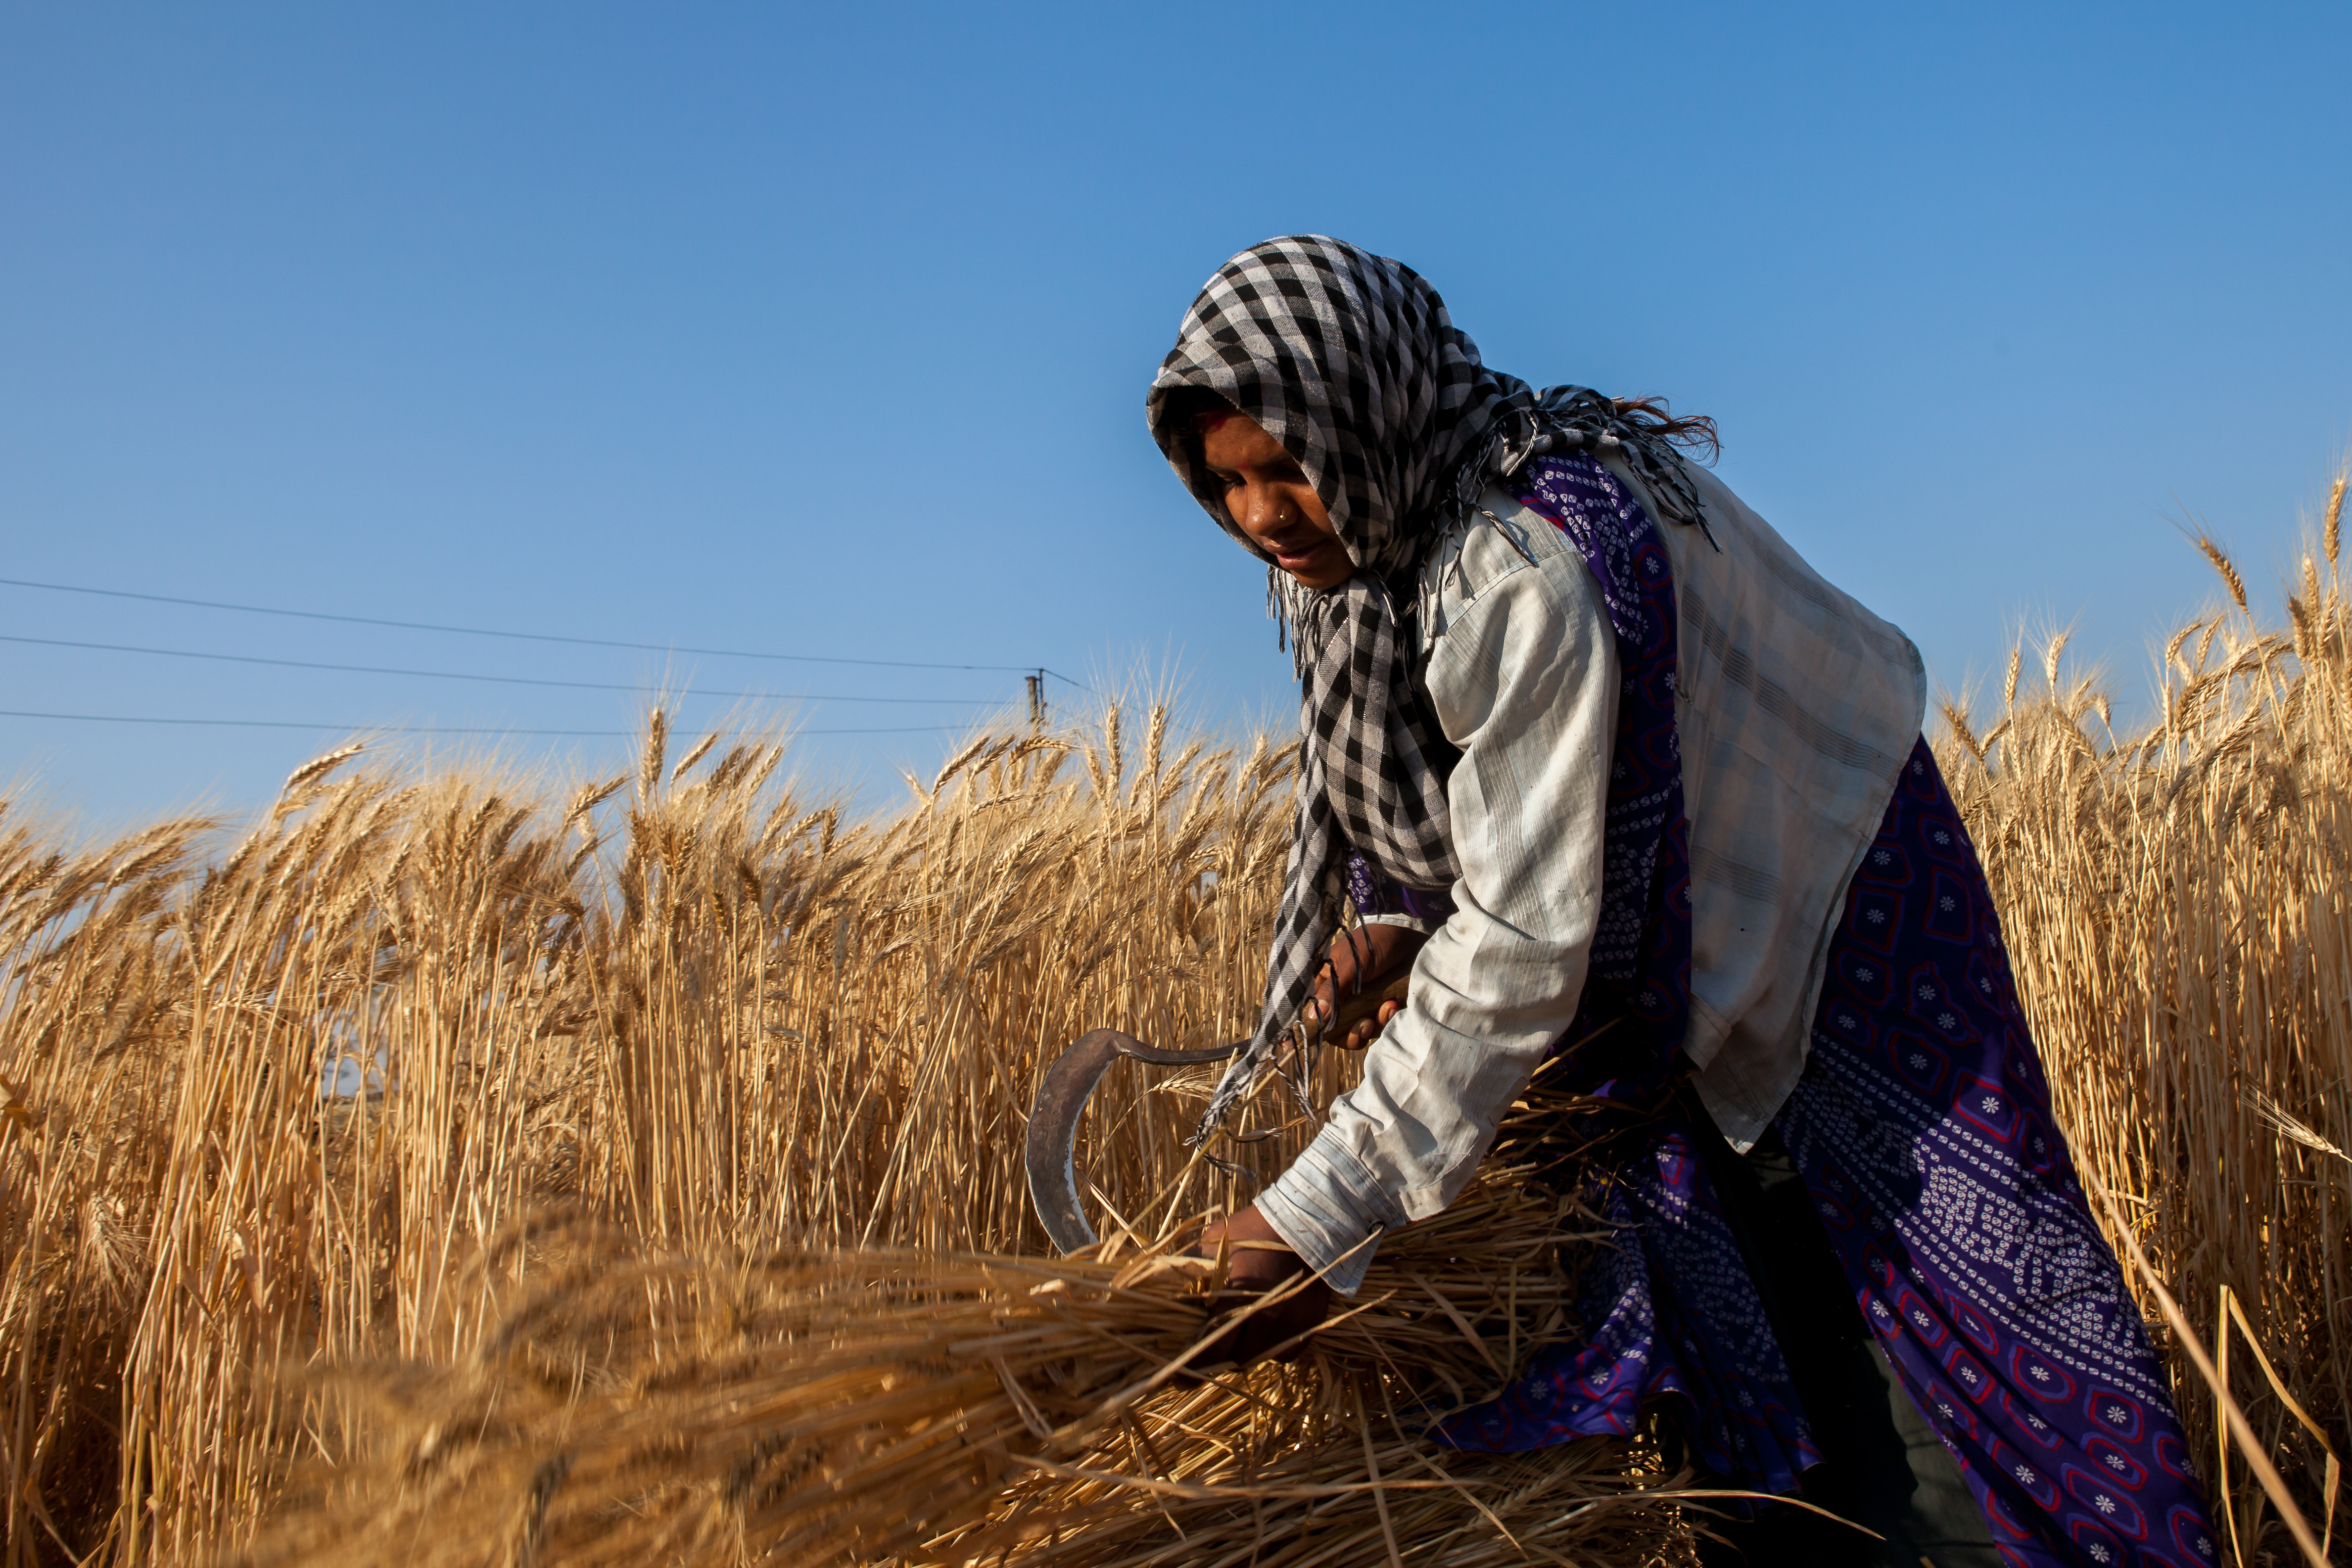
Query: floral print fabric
{"x": 1921, "y": 1128}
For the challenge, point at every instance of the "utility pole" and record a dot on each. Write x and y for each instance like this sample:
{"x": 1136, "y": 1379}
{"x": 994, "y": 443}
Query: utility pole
{"x": 1036, "y": 699}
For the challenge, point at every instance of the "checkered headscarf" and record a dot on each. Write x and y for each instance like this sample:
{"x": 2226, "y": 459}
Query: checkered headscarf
{"x": 1350, "y": 362}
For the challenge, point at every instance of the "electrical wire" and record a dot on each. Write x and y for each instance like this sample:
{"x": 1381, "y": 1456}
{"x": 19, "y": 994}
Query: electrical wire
{"x": 522, "y": 636}
{"x": 467, "y": 676}
{"x": 421, "y": 729}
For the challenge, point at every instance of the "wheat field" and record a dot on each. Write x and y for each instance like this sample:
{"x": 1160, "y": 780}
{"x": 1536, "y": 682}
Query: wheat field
{"x": 459, "y": 1164}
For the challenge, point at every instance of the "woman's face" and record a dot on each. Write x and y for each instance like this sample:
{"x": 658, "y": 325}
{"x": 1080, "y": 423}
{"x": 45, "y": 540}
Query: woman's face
{"x": 1268, "y": 495}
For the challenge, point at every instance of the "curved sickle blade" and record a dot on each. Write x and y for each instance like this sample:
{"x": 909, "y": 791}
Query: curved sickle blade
{"x": 1050, "y": 1152}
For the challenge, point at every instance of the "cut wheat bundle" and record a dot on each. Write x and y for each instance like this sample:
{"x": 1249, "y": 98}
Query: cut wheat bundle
{"x": 913, "y": 1407}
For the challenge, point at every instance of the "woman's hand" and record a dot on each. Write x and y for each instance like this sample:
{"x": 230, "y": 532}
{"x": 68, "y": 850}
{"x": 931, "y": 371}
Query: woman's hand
{"x": 1361, "y": 959}
{"x": 1259, "y": 1263}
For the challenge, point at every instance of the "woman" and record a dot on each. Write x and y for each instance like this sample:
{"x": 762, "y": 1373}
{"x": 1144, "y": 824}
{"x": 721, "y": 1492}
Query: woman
{"x": 1626, "y": 782}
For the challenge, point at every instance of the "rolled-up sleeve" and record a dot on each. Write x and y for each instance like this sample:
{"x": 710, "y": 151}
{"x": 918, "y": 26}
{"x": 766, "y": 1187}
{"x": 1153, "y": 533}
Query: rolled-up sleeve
{"x": 1525, "y": 679}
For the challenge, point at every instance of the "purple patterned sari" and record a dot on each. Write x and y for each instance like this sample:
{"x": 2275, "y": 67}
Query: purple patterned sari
{"x": 1923, "y": 1130}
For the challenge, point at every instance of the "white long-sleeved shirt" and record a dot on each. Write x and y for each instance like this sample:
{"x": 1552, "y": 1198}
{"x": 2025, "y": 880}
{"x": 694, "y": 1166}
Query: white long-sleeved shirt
{"x": 1795, "y": 708}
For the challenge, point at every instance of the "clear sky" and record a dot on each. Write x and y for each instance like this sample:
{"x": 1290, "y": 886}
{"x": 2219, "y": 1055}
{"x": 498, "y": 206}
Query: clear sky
{"x": 824, "y": 331}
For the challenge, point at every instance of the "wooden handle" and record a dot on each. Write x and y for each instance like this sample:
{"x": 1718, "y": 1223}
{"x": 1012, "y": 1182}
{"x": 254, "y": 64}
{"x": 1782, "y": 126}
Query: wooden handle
{"x": 1356, "y": 1009}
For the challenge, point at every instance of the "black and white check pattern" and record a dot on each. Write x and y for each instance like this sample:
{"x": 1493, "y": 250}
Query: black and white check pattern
{"x": 1351, "y": 360}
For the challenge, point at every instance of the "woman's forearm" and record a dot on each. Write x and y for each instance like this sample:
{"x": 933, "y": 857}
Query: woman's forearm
{"x": 1526, "y": 680}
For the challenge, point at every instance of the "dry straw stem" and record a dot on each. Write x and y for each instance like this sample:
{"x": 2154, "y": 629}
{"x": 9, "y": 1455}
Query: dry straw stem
{"x": 2239, "y": 1430}
{"x": 742, "y": 1029}
{"x": 920, "y": 1407}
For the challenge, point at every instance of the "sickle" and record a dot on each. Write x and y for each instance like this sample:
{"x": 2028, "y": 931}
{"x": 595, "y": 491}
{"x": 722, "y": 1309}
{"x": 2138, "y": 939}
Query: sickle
{"x": 1051, "y": 1148}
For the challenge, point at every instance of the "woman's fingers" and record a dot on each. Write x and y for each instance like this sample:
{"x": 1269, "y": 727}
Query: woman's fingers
{"x": 1357, "y": 953}
{"x": 1361, "y": 1037}
{"x": 1339, "y": 977}
{"x": 1361, "y": 956}
{"x": 1359, "y": 959}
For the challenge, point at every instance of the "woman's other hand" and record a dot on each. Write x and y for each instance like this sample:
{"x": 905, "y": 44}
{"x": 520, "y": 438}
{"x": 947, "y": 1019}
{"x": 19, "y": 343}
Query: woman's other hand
{"x": 1257, "y": 1264}
{"x": 1360, "y": 961}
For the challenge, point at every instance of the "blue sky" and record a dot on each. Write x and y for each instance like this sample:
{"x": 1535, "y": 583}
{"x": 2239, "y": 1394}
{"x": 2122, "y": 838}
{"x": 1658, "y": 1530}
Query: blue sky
{"x": 824, "y": 331}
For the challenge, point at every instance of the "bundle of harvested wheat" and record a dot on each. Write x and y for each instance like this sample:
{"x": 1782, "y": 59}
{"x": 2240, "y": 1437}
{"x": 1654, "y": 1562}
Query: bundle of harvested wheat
{"x": 908, "y": 1407}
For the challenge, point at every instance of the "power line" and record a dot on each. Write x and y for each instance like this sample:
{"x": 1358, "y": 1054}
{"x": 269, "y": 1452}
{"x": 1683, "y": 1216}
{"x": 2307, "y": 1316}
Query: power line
{"x": 421, "y": 729}
{"x": 517, "y": 636}
{"x": 467, "y": 675}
